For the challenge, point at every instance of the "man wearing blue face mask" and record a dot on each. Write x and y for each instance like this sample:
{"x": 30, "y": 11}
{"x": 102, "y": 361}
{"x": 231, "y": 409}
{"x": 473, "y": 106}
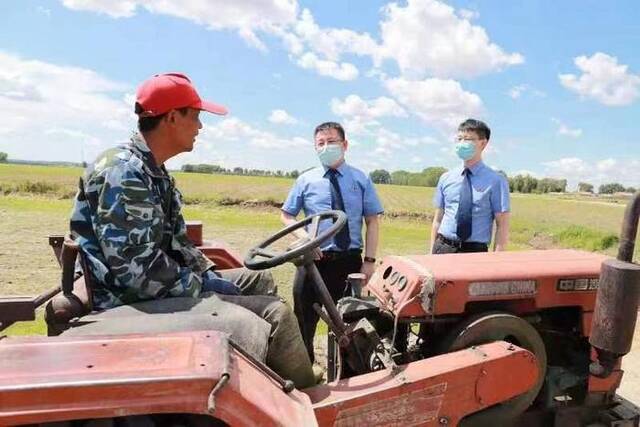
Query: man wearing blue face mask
{"x": 338, "y": 186}
{"x": 470, "y": 198}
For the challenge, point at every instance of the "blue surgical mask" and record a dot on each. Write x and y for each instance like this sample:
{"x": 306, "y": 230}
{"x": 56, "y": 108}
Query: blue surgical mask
{"x": 330, "y": 154}
{"x": 465, "y": 149}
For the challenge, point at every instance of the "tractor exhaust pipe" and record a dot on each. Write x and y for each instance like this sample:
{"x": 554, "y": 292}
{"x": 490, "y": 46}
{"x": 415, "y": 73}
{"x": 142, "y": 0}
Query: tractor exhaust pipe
{"x": 616, "y": 306}
{"x": 629, "y": 229}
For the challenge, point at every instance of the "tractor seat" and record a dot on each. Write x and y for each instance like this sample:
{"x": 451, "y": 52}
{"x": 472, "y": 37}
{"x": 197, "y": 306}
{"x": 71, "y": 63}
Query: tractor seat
{"x": 75, "y": 300}
{"x": 209, "y": 312}
{"x": 71, "y": 312}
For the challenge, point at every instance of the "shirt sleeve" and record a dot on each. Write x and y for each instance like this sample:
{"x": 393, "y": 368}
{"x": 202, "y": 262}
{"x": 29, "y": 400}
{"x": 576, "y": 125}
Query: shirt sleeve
{"x": 371, "y": 204}
{"x": 295, "y": 200}
{"x": 438, "y": 195}
{"x": 128, "y": 225}
{"x": 500, "y": 197}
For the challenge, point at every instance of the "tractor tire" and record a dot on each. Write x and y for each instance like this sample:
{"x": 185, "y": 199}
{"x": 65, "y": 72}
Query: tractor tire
{"x": 499, "y": 326}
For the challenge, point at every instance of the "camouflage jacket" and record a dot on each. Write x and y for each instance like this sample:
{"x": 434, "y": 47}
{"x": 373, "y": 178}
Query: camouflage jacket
{"x": 127, "y": 221}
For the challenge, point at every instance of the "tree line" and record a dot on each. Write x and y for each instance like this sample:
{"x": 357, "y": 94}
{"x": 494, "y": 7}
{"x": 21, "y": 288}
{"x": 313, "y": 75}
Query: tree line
{"x": 520, "y": 183}
{"x": 206, "y": 168}
{"x": 611, "y": 188}
{"x": 530, "y": 184}
{"x": 428, "y": 177}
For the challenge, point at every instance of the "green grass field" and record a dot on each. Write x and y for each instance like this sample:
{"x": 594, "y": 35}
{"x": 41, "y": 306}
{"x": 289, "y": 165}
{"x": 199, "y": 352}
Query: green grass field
{"x": 35, "y": 201}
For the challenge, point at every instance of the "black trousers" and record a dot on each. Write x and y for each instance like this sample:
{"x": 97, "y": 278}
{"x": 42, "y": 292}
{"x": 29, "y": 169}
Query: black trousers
{"x": 443, "y": 245}
{"x": 334, "y": 271}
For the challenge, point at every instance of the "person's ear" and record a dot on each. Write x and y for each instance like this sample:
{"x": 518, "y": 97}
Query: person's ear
{"x": 171, "y": 117}
{"x": 346, "y": 144}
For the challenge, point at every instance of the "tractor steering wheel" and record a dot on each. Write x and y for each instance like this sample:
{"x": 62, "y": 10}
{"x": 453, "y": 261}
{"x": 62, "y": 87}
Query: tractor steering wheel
{"x": 260, "y": 257}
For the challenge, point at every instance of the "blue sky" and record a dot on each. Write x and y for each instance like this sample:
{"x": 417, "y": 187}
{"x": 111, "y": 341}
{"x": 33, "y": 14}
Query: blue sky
{"x": 558, "y": 82}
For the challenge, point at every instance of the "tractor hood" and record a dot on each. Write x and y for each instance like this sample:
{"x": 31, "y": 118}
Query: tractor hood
{"x": 420, "y": 285}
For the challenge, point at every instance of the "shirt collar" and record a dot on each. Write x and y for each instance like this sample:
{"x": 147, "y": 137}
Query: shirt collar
{"x": 474, "y": 169}
{"x": 340, "y": 169}
{"x": 142, "y": 151}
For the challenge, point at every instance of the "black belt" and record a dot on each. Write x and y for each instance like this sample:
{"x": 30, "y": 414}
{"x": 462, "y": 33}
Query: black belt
{"x": 460, "y": 244}
{"x": 333, "y": 255}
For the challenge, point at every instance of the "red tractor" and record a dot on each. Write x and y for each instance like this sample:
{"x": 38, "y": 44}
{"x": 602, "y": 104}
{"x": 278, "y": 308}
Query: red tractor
{"x": 531, "y": 338}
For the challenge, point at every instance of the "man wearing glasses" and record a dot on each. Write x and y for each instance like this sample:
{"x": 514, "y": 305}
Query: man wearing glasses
{"x": 468, "y": 199}
{"x": 338, "y": 186}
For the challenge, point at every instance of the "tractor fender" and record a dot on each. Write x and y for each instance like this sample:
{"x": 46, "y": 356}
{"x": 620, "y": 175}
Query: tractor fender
{"x": 65, "y": 378}
{"x": 499, "y": 326}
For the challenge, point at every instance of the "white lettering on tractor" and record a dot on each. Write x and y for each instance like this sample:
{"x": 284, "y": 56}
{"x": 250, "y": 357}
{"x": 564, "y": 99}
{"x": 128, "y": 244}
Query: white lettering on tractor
{"x": 408, "y": 409}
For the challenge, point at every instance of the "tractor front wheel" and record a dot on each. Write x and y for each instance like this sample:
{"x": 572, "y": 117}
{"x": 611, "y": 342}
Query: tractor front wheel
{"x": 499, "y": 326}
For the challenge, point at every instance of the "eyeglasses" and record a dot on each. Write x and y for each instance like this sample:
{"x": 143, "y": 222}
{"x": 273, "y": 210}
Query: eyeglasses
{"x": 322, "y": 142}
{"x": 466, "y": 139}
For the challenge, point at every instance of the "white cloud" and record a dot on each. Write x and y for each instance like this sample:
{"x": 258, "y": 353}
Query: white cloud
{"x": 321, "y": 49}
{"x": 604, "y": 80}
{"x": 565, "y": 130}
{"x": 625, "y": 171}
{"x": 235, "y": 130}
{"x": 43, "y": 117}
{"x": 113, "y": 8}
{"x": 332, "y": 43}
{"x": 568, "y": 166}
{"x": 44, "y": 11}
{"x": 427, "y": 37}
{"x": 440, "y": 103}
{"x": 17, "y": 89}
{"x": 360, "y": 118}
{"x": 360, "y": 115}
{"x": 353, "y": 105}
{"x": 469, "y": 14}
{"x": 382, "y": 151}
{"x": 388, "y": 145}
{"x": 517, "y": 91}
{"x": 606, "y": 165}
{"x": 232, "y": 142}
{"x": 282, "y": 117}
{"x": 328, "y": 68}
{"x": 71, "y": 133}
{"x": 52, "y": 119}
{"x": 357, "y": 126}
{"x": 247, "y": 17}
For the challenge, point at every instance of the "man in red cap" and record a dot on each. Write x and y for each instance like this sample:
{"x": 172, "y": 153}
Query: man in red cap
{"x": 128, "y": 223}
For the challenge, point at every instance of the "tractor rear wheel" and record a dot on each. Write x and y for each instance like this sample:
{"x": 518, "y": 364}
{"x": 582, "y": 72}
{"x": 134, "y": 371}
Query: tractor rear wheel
{"x": 499, "y": 326}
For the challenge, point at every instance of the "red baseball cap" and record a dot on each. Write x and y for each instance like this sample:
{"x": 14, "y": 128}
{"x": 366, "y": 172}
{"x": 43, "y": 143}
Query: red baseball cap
{"x": 165, "y": 92}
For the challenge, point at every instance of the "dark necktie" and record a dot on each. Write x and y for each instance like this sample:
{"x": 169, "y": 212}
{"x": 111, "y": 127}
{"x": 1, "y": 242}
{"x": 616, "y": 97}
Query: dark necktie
{"x": 463, "y": 217}
{"x": 342, "y": 239}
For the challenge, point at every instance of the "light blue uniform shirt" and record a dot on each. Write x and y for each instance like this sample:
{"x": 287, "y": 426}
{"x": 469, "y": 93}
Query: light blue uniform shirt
{"x": 312, "y": 194}
{"x": 490, "y": 196}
